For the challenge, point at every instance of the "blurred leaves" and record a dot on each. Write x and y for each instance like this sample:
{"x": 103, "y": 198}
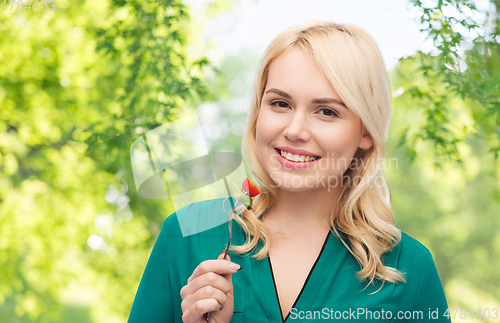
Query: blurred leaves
{"x": 77, "y": 87}
{"x": 450, "y": 207}
{"x": 446, "y": 115}
{"x": 464, "y": 64}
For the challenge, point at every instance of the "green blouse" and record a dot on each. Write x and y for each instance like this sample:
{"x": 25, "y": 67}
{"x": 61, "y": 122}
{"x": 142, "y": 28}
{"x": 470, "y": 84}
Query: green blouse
{"x": 331, "y": 291}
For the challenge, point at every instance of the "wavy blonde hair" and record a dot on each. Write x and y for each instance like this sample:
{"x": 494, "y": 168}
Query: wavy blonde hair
{"x": 351, "y": 62}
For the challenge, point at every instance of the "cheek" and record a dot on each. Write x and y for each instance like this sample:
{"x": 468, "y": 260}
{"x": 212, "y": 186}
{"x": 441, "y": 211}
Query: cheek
{"x": 265, "y": 131}
{"x": 340, "y": 143}
{"x": 260, "y": 136}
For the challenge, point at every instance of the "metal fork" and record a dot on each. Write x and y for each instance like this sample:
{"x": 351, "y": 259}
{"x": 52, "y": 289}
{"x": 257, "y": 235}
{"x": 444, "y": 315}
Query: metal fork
{"x": 207, "y": 316}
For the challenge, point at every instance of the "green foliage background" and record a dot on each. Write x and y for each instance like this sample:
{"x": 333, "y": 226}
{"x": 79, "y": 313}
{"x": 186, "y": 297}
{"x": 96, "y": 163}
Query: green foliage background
{"x": 65, "y": 171}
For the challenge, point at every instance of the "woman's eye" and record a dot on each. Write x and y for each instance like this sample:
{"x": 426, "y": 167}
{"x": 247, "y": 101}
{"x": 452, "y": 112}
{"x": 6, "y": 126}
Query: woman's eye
{"x": 329, "y": 112}
{"x": 280, "y": 104}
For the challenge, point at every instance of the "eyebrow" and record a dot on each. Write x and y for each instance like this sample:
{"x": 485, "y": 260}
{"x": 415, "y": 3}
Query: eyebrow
{"x": 323, "y": 100}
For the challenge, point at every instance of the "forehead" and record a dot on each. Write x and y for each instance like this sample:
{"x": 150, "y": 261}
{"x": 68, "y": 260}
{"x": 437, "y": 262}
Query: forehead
{"x": 297, "y": 73}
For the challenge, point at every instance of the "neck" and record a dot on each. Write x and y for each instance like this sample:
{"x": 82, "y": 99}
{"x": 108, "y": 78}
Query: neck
{"x": 302, "y": 212}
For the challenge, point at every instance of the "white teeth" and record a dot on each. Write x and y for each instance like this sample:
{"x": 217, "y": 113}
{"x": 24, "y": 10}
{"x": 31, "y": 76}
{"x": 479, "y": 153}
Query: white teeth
{"x": 297, "y": 158}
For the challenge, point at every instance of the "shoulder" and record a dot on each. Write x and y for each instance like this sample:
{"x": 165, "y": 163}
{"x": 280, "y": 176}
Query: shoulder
{"x": 203, "y": 216}
{"x": 422, "y": 278}
{"x": 410, "y": 256}
{"x": 194, "y": 233}
{"x": 414, "y": 247}
{"x": 411, "y": 245}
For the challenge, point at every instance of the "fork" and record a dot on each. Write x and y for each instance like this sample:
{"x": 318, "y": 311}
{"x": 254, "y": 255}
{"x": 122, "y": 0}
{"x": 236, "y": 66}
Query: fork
{"x": 239, "y": 212}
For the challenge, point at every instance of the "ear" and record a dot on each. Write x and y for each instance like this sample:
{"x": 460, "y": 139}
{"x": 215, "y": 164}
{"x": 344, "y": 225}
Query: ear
{"x": 366, "y": 141}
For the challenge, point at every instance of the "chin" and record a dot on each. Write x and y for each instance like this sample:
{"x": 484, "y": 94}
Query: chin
{"x": 295, "y": 189}
{"x": 293, "y": 183}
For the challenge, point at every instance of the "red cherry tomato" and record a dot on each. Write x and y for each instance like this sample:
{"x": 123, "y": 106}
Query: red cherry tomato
{"x": 249, "y": 188}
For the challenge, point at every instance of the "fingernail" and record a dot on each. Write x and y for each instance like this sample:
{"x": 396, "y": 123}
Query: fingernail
{"x": 220, "y": 307}
{"x": 235, "y": 266}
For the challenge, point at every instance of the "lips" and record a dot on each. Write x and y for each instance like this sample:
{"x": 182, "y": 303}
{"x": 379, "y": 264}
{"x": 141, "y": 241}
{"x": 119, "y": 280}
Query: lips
{"x": 292, "y": 164}
{"x": 295, "y": 151}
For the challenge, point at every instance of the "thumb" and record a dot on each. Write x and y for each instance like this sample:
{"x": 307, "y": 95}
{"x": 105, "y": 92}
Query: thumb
{"x": 221, "y": 256}
{"x": 228, "y": 276}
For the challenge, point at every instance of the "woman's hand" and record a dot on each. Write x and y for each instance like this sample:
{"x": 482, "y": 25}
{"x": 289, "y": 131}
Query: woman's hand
{"x": 209, "y": 289}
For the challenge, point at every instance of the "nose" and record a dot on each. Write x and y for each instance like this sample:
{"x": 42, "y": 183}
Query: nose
{"x": 297, "y": 128}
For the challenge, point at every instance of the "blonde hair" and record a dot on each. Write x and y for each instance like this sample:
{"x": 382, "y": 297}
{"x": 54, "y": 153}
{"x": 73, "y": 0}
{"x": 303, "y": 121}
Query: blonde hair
{"x": 350, "y": 60}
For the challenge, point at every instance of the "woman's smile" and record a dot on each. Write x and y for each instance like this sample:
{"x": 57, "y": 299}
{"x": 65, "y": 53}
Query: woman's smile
{"x": 303, "y": 125}
{"x": 295, "y": 161}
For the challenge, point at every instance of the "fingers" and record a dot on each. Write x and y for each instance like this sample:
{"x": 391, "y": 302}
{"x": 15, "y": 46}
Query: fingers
{"x": 198, "y": 310}
{"x": 208, "y": 288}
{"x": 217, "y": 266}
{"x": 203, "y": 294}
{"x": 221, "y": 256}
{"x": 227, "y": 276}
{"x": 209, "y": 279}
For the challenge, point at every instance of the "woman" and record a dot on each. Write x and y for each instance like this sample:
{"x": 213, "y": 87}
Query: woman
{"x": 320, "y": 242}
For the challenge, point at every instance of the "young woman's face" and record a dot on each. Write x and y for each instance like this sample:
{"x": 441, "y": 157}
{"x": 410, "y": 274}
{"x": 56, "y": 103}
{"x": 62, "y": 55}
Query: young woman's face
{"x": 302, "y": 117}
